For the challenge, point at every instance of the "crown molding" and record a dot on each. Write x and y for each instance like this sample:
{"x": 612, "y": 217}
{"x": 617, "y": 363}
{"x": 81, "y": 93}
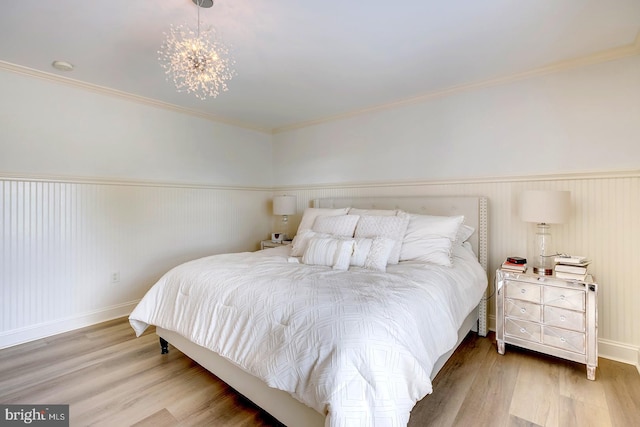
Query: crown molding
{"x": 19, "y": 69}
{"x": 597, "y": 58}
{"x": 632, "y": 49}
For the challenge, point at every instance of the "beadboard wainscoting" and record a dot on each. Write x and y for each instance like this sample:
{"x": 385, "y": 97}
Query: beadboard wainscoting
{"x": 603, "y": 225}
{"x": 75, "y": 253}
{"x": 62, "y": 242}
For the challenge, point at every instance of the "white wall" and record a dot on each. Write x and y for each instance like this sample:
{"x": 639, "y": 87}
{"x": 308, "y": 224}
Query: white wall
{"x": 544, "y": 132}
{"x": 51, "y": 129}
{"x": 585, "y": 119}
{"x": 92, "y": 185}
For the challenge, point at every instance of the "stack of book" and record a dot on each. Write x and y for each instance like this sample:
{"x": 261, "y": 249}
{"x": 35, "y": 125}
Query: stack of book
{"x": 516, "y": 264}
{"x": 571, "y": 267}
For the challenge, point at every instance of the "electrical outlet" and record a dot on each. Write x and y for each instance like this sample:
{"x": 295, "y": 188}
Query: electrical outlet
{"x": 115, "y": 277}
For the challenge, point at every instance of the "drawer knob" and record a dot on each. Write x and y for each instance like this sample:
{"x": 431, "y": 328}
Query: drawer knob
{"x": 523, "y": 330}
{"x": 563, "y": 339}
{"x": 562, "y": 297}
{"x": 562, "y": 318}
{"x": 523, "y": 291}
{"x": 523, "y": 310}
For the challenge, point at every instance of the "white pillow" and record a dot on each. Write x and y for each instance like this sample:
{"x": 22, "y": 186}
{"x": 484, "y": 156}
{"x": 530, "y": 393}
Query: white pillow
{"x": 391, "y": 227}
{"x": 329, "y": 251}
{"x": 310, "y": 214}
{"x": 423, "y": 228}
{"x": 306, "y": 223}
{"x": 338, "y": 225}
{"x": 373, "y": 212}
{"x": 361, "y": 249}
{"x": 436, "y": 250}
{"x": 301, "y": 241}
{"x": 378, "y": 254}
{"x": 464, "y": 232}
{"x": 365, "y": 248}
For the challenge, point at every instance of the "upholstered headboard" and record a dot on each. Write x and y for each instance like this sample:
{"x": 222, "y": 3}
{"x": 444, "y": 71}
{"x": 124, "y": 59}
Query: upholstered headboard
{"x": 473, "y": 208}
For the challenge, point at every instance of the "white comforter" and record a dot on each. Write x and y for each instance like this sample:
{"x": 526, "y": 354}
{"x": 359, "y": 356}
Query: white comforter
{"x": 356, "y": 345}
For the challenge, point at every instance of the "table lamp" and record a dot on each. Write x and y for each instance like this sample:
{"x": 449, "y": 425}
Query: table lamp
{"x": 544, "y": 207}
{"x": 285, "y": 206}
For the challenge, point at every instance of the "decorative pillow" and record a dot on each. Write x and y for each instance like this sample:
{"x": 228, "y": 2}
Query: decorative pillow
{"x": 361, "y": 249}
{"x": 308, "y": 218}
{"x": 339, "y": 225}
{"x": 464, "y": 232}
{"x": 373, "y": 212}
{"x": 378, "y": 255}
{"x": 329, "y": 251}
{"x": 423, "y": 228}
{"x": 391, "y": 227}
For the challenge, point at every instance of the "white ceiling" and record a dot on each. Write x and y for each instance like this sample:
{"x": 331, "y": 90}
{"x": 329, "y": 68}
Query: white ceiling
{"x": 298, "y": 61}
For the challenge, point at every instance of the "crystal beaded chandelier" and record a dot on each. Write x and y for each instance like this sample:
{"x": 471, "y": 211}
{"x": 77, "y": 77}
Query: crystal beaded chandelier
{"x": 196, "y": 61}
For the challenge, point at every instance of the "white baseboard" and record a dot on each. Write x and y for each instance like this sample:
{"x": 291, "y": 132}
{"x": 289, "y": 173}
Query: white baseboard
{"x": 54, "y": 327}
{"x": 607, "y": 349}
{"x": 619, "y": 352}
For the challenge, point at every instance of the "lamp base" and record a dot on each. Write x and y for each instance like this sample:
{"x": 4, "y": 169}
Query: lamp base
{"x": 543, "y": 271}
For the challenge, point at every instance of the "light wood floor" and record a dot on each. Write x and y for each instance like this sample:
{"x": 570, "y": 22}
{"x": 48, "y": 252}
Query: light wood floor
{"x": 110, "y": 378}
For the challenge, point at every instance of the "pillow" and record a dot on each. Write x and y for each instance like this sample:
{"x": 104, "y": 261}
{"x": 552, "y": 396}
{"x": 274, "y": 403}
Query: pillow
{"x": 464, "y": 232}
{"x": 306, "y": 223}
{"x": 373, "y": 212}
{"x": 391, "y": 227}
{"x": 372, "y": 253}
{"x": 361, "y": 249}
{"x": 301, "y": 241}
{"x": 310, "y": 214}
{"x": 423, "y": 228}
{"x": 328, "y": 251}
{"x": 436, "y": 250}
{"x": 339, "y": 225}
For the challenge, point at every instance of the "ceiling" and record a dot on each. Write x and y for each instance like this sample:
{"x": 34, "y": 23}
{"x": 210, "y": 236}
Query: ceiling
{"x": 301, "y": 61}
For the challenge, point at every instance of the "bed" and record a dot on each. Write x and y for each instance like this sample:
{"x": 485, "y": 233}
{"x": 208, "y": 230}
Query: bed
{"x": 295, "y": 386}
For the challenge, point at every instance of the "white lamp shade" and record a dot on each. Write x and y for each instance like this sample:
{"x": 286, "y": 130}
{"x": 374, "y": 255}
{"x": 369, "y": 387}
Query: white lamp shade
{"x": 284, "y": 205}
{"x": 545, "y": 206}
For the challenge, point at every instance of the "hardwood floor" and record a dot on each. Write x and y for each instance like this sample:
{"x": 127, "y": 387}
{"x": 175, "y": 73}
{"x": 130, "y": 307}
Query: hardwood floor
{"x": 110, "y": 378}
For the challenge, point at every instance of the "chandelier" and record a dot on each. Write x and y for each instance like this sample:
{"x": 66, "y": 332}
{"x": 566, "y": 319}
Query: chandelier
{"x": 197, "y": 61}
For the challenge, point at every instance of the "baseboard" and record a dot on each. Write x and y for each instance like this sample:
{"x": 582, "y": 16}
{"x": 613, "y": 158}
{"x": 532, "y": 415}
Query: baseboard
{"x": 54, "y": 327}
{"x": 619, "y": 352}
{"x": 607, "y": 349}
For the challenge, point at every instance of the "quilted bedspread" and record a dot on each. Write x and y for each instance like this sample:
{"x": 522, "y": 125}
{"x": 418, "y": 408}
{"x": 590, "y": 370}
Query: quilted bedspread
{"x": 357, "y": 345}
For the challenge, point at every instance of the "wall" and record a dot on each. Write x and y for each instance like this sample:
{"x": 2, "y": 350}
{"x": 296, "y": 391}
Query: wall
{"x": 579, "y": 120}
{"x": 550, "y": 131}
{"x": 51, "y": 129}
{"x": 93, "y": 185}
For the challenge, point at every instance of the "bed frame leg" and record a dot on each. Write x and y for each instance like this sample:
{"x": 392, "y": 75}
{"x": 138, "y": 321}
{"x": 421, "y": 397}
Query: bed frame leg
{"x": 164, "y": 346}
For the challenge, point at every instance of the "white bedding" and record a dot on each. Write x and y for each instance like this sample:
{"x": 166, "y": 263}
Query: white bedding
{"x": 356, "y": 345}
